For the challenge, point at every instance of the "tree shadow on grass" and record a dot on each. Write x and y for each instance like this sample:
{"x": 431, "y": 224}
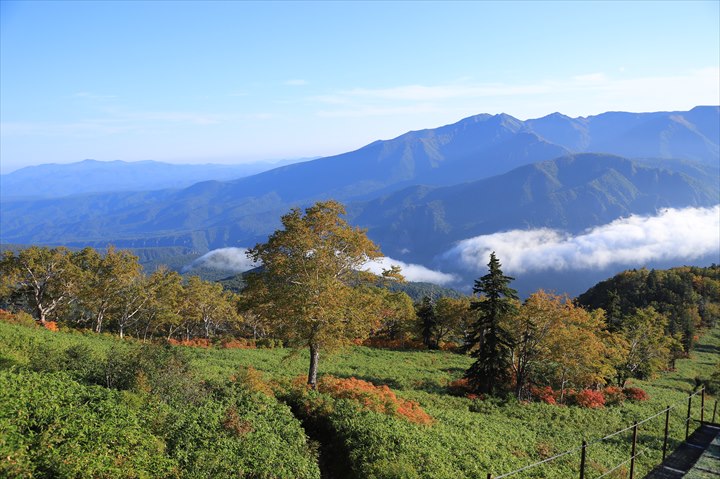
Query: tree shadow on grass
{"x": 7, "y": 363}
{"x": 707, "y": 348}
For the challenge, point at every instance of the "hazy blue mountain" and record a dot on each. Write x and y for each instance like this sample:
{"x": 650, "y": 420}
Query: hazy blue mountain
{"x": 473, "y": 148}
{"x": 420, "y": 192}
{"x": 571, "y": 193}
{"x": 691, "y": 135}
{"x": 91, "y": 176}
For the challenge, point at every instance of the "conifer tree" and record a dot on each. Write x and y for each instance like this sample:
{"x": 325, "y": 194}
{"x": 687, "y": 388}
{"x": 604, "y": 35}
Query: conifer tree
{"x": 427, "y": 321}
{"x": 490, "y": 344}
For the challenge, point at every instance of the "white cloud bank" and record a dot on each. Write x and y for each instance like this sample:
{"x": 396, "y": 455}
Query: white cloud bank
{"x": 674, "y": 234}
{"x": 235, "y": 259}
{"x": 412, "y": 272}
{"x": 225, "y": 259}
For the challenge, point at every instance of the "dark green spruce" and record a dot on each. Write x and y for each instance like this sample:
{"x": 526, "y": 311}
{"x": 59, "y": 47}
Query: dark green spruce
{"x": 489, "y": 342}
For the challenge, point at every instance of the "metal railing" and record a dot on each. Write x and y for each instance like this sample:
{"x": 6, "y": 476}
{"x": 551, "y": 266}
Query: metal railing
{"x": 634, "y": 453}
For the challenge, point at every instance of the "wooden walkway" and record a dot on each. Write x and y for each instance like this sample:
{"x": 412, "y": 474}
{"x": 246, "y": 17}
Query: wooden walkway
{"x": 682, "y": 460}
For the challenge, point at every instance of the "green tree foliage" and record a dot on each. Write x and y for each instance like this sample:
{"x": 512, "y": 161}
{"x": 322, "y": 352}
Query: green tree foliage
{"x": 109, "y": 292}
{"x": 576, "y": 350}
{"x": 43, "y": 278}
{"x": 306, "y": 284}
{"x": 397, "y": 316}
{"x": 645, "y": 348}
{"x": 111, "y": 288}
{"x": 689, "y": 297}
{"x": 427, "y": 322}
{"x": 453, "y": 319}
{"x": 208, "y": 307}
{"x": 490, "y": 343}
{"x": 530, "y": 332}
{"x": 556, "y": 343}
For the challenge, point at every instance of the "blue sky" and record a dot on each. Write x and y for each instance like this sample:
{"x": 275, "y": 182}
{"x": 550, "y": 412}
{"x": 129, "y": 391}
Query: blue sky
{"x": 244, "y": 81}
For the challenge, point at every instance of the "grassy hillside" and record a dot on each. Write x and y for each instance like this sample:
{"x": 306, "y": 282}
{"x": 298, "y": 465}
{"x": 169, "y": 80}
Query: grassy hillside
{"x": 179, "y": 414}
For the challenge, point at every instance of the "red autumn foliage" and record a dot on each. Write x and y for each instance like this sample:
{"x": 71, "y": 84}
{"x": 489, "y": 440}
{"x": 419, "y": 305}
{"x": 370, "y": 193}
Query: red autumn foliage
{"x": 231, "y": 343}
{"x": 636, "y": 394}
{"x": 613, "y": 395}
{"x": 590, "y": 398}
{"x": 373, "y": 398}
{"x": 51, "y": 325}
{"x": 461, "y": 387}
{"x": 544, "y": 394}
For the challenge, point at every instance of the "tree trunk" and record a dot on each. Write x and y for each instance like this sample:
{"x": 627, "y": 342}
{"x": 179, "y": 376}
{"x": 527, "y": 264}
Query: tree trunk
{"x": 312, "y": 372}
{"x": 41, "y": 315}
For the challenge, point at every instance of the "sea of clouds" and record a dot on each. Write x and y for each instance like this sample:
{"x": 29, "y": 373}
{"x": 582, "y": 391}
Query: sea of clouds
{"x": 673, "y": 234}
{"x": 236, "y": 260}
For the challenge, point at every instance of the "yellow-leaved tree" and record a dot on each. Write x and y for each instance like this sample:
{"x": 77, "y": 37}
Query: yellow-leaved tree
{"x": 309, "y": 284}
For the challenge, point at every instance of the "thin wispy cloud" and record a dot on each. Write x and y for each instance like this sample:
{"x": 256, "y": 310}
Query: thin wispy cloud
{"x": 673, "y": 234}
{"x": 296, "y": 82}
{"x": 606, "y": 91}
{"x": 94, "y": 96}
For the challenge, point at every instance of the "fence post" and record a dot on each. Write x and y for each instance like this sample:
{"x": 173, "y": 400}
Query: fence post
{"x": 667, "y": 424}
{"x": 582, "y": 459}
{"x": 714, "y": 411}
{"x": 687, "y": 420}
{"x": 702, "y": 406}
{"x": 634, "y": 443}
{"x": 489, "y": 476}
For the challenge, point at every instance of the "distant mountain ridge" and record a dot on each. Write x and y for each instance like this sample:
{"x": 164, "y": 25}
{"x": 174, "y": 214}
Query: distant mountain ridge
{"x": 570, "y": 193}
{"x": 420, "y": 192}
{"x": 92, "y": 176}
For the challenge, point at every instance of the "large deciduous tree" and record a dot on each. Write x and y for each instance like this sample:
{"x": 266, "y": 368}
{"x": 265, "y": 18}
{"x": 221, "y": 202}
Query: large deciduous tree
{"x": 647, "y": 348}
{"x": 46, "y": 278}
{"x": 489, "y": 342}
{"x": 306, "y": 283}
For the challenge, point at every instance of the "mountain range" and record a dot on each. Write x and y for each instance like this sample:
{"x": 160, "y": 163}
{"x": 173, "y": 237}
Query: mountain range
{"x": 91, "y": 176}
{"x": 418, "y": 194}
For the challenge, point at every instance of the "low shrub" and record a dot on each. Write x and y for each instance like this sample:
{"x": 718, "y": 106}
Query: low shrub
{"x": 589, "y": 398}
{"x": 373, "y": 398}
{"x": 544, "y": 394}
{"x": 613, "y": 395}
{"x": 635, "y": 394}
{"x": 460, "y": 387}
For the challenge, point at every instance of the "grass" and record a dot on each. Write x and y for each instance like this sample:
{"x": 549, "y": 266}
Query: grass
{"x": 469, "y": 438}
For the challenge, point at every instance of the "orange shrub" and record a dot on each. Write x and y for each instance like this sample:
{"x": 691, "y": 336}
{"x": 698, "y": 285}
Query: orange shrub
{"x": 590, "y": 398}
{"x": 373, "y": 398}
{"x": 544, "y": 394}
{"x": 231, "y": 343}
{"x": 51, "y": 325}
{"x": 461, "y": 387}
{"x": 613, "y": 395}
{"x": 636, "y": 394}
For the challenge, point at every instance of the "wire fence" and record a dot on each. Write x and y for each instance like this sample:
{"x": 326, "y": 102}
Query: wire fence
{"x": 582, "y": 469}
